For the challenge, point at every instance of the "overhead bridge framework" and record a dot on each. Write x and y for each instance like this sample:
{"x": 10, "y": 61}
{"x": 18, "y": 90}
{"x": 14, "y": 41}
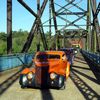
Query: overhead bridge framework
{"x": 92, "y": 29}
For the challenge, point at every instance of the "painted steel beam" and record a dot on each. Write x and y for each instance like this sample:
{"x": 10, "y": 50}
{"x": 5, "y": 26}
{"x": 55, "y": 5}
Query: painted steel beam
{"x": 65, "y": 5}
{"x": 9, "y": 26}
{"x": 50, "y": 17}
{"x": 33, "y": 29}
{"x": 69, "y": 22}
{"x": 62, "y": 7}
{"x": 27, "y": 7}
{"x": 67, "y": 9}
{"x": 70, "y": 37}
{"x": 55, "y": 23}
{"x": 54, "y": 15}
{"x": 73, "y": 21}
{"x": 96, "y": 30}
{"x": 97, "y": 11}
{"x": 62, "y": 25}
{"x": 70, "y": 13}
{"x": 38, "y": 33}
{"x": 43, "y": 36}
{"x": 76, "y": 6}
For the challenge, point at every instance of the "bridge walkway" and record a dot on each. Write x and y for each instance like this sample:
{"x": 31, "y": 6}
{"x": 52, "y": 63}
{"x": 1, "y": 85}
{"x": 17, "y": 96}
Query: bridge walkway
{"x": 82, "y": 84}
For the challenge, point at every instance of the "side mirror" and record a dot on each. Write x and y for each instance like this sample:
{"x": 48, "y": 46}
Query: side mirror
{"x": 64, "y": 58}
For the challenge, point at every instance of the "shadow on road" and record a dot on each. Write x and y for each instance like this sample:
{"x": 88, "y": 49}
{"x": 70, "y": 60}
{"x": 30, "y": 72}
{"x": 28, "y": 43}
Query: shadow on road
{"x": 41, "y": 76}
{"x": 86, "y": 76}
{"x": 46, "y": 94}
{"x": 80, "y": 58}
{"x": 94, "y": 68}
{"x": 8, "y": 82}
{"x": 85, "y": 89}
{"x": 80, "y": 61}
{"x": 80, "y": 67}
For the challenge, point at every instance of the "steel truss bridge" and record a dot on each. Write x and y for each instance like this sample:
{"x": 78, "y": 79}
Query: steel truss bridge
{"x": 91, "y": 32}
{"x": 84, "y": 81}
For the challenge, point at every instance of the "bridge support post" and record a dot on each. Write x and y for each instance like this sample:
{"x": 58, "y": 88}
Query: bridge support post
{"x": 55, "y": 22}
{"x": 38, "y": 34}
{"x": 94, "y": 41}
{"x": 50, "y": 18}
{"x": 88, "y": 28}
{"x": 58, "y": 40}
{"x": 95, "y": 27}
{"x": 9, "y": 26}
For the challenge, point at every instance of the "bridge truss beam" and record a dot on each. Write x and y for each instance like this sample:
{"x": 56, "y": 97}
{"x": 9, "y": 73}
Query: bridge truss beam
{"x": 9, "y": 26}
{"x": 64, "y": 10}
{"x": 95, "y": 27}
{"x": 33, "y": 30}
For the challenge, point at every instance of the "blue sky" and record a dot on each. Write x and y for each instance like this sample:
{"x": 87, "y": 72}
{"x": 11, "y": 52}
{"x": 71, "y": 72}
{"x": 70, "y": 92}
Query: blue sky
{"x": 22, "y": 19}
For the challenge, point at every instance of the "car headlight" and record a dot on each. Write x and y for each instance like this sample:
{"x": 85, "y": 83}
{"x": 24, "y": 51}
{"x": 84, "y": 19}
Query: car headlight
{"x": 53, "y": 76}
{"x": 75, "y": 51}
{"x": 30, "y": 75}
{"x": 24, "y": 79}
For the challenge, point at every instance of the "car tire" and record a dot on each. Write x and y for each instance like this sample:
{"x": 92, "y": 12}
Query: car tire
{"x": 63, "y": 87}
{"x": 22, "y": 86}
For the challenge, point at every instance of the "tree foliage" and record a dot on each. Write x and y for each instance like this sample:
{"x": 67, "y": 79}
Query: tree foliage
{"x": 19, "y": 38}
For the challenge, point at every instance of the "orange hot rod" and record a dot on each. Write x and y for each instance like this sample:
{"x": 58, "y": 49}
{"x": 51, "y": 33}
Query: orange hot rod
{"x": 51, "y": 69}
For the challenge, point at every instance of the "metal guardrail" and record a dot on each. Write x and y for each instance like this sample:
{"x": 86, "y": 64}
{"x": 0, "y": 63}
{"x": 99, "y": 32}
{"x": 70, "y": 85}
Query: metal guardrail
{"x": 95, "y": 58}
{"x": 12, "y": 61}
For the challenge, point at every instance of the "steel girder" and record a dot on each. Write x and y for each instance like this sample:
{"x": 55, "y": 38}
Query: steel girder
{"x": 71, "y": 13}
{"x": 88, "y": 28}
{"x": 50, "y": 17}
{"x": 55, "y": 24}
{"x": 9, "y": 26}
{"x": 96, "y": 30}
{"x": 70, "y": 22}
{"x": 33, "y": 29}
{"x": 73, "y": 22}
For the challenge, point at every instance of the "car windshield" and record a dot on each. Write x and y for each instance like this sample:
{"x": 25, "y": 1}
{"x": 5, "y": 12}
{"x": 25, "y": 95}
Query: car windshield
{"x": 47, "y": 56}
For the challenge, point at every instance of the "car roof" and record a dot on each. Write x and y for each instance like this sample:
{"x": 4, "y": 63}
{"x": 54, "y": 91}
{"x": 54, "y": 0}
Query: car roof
{"x": 50, "y": 52}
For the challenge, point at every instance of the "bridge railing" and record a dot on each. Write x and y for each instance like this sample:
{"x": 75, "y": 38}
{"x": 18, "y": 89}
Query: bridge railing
{"x": 95, "y": 58}
{"x": 15, "y": 60}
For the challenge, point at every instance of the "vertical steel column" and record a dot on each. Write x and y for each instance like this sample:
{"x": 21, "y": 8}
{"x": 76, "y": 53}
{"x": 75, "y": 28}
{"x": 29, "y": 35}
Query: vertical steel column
{"x": 63, "y": 39}
{"x": 96, "y": 30}
{"x": 50, "y": 17}
{"x": 38, "y": 34}
{"x": 88, "y": 26}
{"x": 55, "y": 24}
{"x": 9, "y": 26}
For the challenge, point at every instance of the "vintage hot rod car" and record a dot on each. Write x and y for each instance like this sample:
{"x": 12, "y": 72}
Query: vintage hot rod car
{"x": 51, "y": 70}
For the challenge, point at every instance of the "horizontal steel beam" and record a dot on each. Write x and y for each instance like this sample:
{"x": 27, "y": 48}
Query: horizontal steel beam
{"x": 73, "y": 21}
{"x": 62, "y": 25}
{"x": 71, "y": 13}
{"x": 67, "y": 10}
{"x": 70, "y": 37}
{"x": 69, "y": 22}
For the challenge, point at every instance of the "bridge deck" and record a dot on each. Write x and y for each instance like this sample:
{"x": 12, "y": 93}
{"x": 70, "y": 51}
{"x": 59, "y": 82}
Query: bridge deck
{"x": 82, "y": 84}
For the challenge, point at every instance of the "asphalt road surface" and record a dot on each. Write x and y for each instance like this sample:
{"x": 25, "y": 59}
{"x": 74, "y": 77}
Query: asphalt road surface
{"x": 83, "y": 84}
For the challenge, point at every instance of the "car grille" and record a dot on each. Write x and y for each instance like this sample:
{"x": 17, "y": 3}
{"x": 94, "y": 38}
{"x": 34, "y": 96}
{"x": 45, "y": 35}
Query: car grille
{"x": 41, "y": 76}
